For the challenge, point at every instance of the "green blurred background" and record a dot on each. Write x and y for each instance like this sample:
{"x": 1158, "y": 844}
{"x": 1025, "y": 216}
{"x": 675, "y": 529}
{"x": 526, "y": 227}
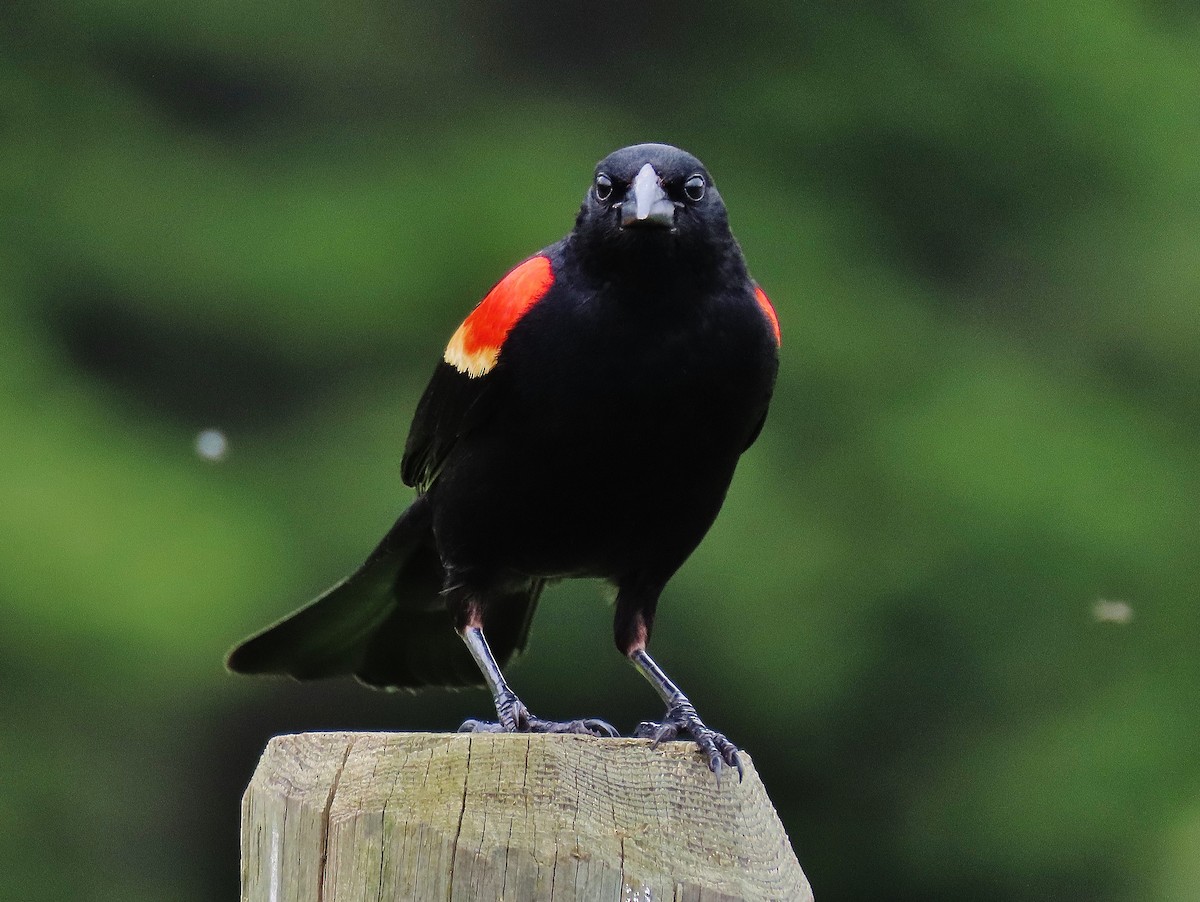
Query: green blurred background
{"x": 951, "y": 605}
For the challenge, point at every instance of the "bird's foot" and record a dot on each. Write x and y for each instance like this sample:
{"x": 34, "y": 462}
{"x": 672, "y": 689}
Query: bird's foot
{"x": 682, "y": 718}
{"x": 587, "y": 726}
{"x": 515, "y": 718}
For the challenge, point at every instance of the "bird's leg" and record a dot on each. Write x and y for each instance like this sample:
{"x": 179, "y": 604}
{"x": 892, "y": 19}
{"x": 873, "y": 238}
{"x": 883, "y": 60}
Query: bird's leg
{"x": 682, "y": 718}
{"x": 514, "y": 717}
{"x": 634, "y": 619}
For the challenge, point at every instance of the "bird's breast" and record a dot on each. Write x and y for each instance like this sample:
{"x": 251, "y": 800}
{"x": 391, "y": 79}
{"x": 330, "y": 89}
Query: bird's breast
{"x": 615, "y": 433}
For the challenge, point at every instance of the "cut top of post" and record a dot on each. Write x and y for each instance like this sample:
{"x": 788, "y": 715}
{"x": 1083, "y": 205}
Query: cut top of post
{"x": 386, "y": 816}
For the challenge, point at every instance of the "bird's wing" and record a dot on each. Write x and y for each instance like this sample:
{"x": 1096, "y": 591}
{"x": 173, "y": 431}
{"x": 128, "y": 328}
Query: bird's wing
{"x": 764, "y": 304}
{"x": 768, "y": 311}
{"x": 457, "y": 395}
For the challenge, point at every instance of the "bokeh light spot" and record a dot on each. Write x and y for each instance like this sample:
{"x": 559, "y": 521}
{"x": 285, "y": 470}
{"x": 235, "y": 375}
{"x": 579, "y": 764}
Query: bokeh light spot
{"x": 212, "y": 445}
{"x": 1107, "y": 611}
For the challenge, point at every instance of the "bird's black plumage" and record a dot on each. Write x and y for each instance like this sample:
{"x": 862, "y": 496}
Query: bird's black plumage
{"x": 585, "y": 422}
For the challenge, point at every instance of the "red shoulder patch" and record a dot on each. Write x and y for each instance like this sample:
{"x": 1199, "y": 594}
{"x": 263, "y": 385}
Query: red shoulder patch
{"x": 761, "y": 297}
{"x": 475, "y": 347}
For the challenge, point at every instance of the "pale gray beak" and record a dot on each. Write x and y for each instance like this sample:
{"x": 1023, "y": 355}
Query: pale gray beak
{"x": 647, "y": 204}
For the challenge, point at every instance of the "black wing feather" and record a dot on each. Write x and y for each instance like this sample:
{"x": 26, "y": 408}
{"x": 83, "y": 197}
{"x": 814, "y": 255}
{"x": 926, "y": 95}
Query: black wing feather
{"x": 453, "y": 403}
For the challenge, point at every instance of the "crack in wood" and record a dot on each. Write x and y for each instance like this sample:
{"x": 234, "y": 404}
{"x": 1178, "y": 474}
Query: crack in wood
{"x": 324, "y": 843}
{"x": 458, "y": 830}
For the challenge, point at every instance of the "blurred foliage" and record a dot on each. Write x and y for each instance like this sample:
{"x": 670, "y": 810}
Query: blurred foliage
{"x": 980, "y": 224}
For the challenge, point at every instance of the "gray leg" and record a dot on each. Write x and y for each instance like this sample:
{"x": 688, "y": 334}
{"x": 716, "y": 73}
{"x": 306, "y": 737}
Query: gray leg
{"x": 514, "y": 717}
{"x": 682, "y": 718}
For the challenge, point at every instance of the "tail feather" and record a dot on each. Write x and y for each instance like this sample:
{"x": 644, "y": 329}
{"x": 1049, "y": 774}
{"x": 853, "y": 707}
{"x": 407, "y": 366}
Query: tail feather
{"x": 328, "y": 636}
{"x": 412, "y": 649}
{"x": 387, "y": 623}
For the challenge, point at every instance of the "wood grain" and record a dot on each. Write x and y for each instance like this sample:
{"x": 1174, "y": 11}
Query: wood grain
{"x": 337, "y": 817}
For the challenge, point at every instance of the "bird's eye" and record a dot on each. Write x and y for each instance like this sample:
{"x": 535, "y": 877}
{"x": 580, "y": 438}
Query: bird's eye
{"x": 604, "y": 187}
{"x": 693, "y": 188}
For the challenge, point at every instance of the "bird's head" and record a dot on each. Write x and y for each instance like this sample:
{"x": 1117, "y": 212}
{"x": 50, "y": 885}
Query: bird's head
{"x": 653, "y": 201}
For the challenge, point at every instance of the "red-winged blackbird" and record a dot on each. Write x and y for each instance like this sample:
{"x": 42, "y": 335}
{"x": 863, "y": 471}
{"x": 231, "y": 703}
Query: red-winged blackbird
{"x": 585, "y": 421}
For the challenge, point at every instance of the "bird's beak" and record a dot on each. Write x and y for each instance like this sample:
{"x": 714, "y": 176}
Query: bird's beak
{"x": 647, "y": 204}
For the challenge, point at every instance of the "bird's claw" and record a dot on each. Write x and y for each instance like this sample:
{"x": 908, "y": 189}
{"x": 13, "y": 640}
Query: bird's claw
{"x": 656, "y": 732}
{"x": 481, "y": 726}
{"x": 515, "y": 718}
{"x": 682, "y": 718}
{"x": 592, "y": 726}
{"x": 588, "y": 726}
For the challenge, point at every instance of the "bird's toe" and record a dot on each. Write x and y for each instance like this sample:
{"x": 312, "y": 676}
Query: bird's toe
{"x": 480, "y": 726}
{"x": 656, "y": 731}
{"x": 682, "y": 719}
{"x": 588, "y": 726}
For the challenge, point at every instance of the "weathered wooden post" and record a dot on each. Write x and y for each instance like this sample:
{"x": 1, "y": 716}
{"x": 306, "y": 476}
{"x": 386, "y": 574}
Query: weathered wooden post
{"x": 397, "y": 816}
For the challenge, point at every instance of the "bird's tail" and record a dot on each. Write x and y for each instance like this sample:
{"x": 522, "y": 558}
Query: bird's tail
{"x": 386, "y": 623}
{"x": 329, "y": 636}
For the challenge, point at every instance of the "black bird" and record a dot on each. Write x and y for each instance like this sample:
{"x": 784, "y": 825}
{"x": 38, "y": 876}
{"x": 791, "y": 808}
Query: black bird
{"x": 585, "y": 421}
